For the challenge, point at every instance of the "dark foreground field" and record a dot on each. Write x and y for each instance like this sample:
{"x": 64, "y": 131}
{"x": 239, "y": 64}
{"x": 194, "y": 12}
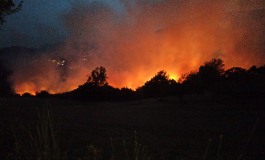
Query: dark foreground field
{"x": 169, "y": 129}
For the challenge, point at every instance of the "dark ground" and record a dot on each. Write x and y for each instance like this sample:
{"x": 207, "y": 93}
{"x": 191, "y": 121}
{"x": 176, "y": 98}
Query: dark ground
{"x": 170, "y": 129}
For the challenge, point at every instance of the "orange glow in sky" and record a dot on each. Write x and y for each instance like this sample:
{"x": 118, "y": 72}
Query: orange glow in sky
{"x": 175, "y": 36}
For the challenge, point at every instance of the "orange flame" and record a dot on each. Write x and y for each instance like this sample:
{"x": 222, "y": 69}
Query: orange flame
{"x": 25, "y": 88}
{"x": 175, "y": 36}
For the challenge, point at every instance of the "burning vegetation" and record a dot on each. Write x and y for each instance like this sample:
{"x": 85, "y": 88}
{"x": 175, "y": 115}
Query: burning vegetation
{"x": 140, "y": 39}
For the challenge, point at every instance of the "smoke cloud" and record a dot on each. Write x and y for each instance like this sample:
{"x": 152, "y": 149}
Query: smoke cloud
{"x": 140, "y": 38}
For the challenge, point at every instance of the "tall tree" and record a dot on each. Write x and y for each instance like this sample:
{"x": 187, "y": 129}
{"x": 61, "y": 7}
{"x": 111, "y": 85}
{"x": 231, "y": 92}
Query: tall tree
{"x": 98, "y": 77}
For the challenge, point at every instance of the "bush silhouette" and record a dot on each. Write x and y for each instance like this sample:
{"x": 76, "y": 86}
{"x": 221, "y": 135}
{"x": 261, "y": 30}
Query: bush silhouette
{"x": 159, "y": 86}
{"x": 43, "y": 94}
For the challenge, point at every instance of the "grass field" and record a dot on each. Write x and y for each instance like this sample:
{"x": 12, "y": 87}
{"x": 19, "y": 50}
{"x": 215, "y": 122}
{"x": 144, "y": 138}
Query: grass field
{"x": 168, "y": 128}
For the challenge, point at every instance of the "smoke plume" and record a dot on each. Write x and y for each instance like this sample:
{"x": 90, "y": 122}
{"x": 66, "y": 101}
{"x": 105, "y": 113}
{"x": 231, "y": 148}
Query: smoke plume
{"x": 139, "y": 38}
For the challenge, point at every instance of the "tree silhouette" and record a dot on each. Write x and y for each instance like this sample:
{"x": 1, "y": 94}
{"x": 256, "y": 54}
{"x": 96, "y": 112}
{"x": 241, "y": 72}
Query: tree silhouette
{"x": 159, "y": 86}
{"x": 236, "y": 80}
{"x": 43, "y": 94}
{"x": 190, "y": 82}
{"x": 235, "y": 73}
{"x": 256, "y": 79}
{"x": 98, "y": 77}
{"x": 210, "y": 75}
{"x": 8, "y": 7}
{"x": 5, "y": 85}
{"x": 161, "y": 78}
{"x": 208, "y": 78}
{"x": 211, "y": 70}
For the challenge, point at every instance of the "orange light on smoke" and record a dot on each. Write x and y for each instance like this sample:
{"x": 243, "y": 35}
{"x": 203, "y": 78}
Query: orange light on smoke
{"x": 174, "y": 77}
{"x": 175, "y": 37}
{"x": 25, "y": 88}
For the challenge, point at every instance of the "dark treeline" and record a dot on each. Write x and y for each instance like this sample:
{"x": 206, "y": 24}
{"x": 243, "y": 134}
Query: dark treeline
{"x": 97, "y": 89}
{"x": 211, "y": 78}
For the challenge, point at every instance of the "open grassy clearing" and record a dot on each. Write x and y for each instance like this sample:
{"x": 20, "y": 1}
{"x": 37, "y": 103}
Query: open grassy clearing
{"x": 170, "y": 129}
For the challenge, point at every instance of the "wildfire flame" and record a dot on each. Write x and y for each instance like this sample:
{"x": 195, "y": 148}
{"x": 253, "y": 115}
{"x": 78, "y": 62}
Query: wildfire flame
{"x": 146, "y": 37}
{"x": 26, "y": 88}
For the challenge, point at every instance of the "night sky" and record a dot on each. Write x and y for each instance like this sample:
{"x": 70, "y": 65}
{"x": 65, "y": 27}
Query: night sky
{"x": 132, "y": 39}
{"x": 40, "y": 22}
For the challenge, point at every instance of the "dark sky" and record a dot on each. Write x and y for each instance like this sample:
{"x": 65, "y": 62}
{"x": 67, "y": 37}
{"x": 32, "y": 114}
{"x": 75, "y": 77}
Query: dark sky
{"x": 39, "y": 22}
